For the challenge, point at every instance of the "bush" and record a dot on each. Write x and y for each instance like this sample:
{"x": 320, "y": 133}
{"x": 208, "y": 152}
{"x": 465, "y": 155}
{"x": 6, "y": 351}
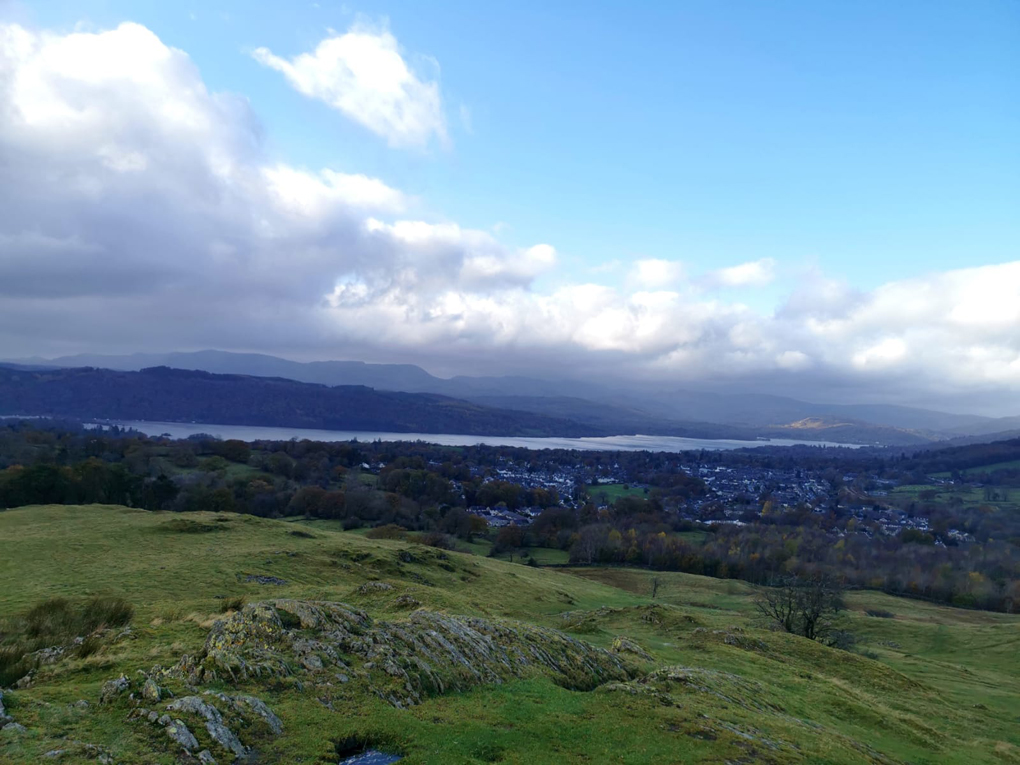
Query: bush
{"x": 436, "y": 539}
{"x": 880, "y": 613}
{"x": 389, "y": 531}
{"x": 14, "y": 665}
{"x": 844, "y": 640}
{"x": 235, "y": 603}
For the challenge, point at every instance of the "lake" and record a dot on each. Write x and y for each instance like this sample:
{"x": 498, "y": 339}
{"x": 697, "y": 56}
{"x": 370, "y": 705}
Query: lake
{"x": 610, "y": 443}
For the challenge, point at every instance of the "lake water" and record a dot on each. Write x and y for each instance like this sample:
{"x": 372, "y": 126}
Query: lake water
{"x": 610, "y": 443}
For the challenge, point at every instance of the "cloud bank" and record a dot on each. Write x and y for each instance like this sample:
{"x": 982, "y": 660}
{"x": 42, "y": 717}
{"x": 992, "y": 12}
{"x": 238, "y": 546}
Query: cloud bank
{"x": 142, "y": 213}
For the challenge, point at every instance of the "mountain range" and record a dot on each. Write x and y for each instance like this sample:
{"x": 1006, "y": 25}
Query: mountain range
{"x": 594, "y": 407}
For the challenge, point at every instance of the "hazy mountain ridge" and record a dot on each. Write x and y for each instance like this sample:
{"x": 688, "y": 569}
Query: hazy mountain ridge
{"x": 645, "y": 408}
{"x": 163, "y": 394}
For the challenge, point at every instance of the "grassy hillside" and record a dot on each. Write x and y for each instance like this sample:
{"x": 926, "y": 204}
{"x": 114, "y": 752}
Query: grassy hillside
{"x": 712, "y": 688}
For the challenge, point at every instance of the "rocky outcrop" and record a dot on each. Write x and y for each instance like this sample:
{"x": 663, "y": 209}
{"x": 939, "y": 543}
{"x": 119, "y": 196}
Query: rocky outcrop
{"x": 403, "y": 662}
{"x": 112, "y": 689}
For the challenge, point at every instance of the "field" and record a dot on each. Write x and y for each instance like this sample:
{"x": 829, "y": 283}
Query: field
{"x": 944, "y": 686}
{"x": 614, "y": 491}
{"x": 1003, "y": 497}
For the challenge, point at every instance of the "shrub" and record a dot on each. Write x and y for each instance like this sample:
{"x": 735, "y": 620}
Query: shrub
{"x": 235, "y": 603}
{"x": 14, "y": 665}
{"x": 389, "y": 531}
{"x": 880, "y": 613}
{"x": 844, "y": 640}
{"x": 436, "y": 539}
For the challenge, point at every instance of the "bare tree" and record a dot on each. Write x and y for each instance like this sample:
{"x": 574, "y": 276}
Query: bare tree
{"x": 805, "y": 607}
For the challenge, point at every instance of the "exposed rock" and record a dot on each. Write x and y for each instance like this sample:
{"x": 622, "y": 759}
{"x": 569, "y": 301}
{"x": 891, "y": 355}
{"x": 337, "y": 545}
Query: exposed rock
{"x": 242, "y": 704}
{"x": 80, "y": 704}
{"x": 13, "y": 727}
{"x": 25, "y": 682}
{"x": 3, "y": 712}
{"x": 403, "y": 662}
{"x": 260, "y": 579}
{"x": 112, "y": 689}
{"x": 258, "y": 706}
{"x": 205, "y": 757}
{"x": 196, "y": 706}
{"x": 626, "y": 645}
{"x": 150, "y": 691}
{"x": 50, "y": 655}
{"x": 223, "y": 736}
{"x": 179, "y": 734}
{"x": 54, "y": 754}
{"x": 407, "y": 601}
{"x": 369, "y": 588}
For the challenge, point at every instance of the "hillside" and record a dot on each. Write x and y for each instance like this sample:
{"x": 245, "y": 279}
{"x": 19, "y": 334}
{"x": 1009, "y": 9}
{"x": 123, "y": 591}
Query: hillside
{"x": 173, "y": 395}
{"x": 447, "y": 657}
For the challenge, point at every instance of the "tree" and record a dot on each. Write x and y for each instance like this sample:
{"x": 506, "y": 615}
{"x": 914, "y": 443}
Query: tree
{"x": 805, "y": 607}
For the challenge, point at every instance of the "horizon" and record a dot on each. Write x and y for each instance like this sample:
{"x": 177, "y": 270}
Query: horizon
{"x": 809, "y": 200}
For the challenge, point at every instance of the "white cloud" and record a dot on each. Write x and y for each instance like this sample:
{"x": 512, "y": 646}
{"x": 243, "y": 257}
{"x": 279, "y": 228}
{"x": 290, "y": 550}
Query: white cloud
{"x": 754, "y": 274}
{"x": 362, "y": 74}
{"x": 655, "y": 273}
{"x": 141, "y": 213}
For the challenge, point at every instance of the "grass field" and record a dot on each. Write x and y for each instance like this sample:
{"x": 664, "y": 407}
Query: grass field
{"x": 984, "y": 469}
{"x": 945, "y": 687}
{"x": 614, "y": 491}
{"x": 1005, "y": 498}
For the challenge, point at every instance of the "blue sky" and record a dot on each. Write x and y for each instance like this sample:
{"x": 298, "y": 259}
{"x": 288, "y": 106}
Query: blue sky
{"x": 805, "y": 196}
{"x": 875, "y": 139}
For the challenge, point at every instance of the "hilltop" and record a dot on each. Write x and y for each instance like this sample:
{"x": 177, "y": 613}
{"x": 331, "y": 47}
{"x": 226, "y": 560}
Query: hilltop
{"x": 304, "y": 643}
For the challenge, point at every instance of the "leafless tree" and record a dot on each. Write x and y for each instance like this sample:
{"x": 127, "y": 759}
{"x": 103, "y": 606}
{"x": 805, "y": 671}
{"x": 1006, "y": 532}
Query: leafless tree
{"x": 805, "y": 607}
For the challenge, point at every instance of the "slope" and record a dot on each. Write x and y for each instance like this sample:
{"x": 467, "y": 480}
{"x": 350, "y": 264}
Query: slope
{"x": 711, "y": 687}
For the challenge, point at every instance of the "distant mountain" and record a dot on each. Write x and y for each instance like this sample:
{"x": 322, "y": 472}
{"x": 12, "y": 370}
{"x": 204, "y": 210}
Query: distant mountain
{"x": 761, "y": 410}
{"x": 173, "y": 395}
{"x": 619, "y": 419}
{"x": 638, "y": 408}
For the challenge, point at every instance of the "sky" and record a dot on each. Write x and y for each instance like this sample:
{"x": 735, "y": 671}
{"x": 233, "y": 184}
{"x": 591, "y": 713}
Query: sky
{"x": 820, "y": 199}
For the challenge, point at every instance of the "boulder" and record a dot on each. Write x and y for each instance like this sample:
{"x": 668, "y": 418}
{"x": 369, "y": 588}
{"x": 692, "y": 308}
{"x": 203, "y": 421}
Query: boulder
{"x": 180, "y": 735}
{"x": 223, "y": 736}
{"x": 112, "y": 689}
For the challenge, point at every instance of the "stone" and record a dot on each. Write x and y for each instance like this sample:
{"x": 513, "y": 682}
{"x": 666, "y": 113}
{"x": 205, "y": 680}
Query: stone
{"x": 112, "y": 689}
{"x": 371, "y": 587}
{"x": 196, "y": 706}
{"x": 179, "y": 734}
{"x": 625, "y": 645}
{"x": 13, "y": 727}
{"x": 259, "y": 707}
{"x": 223, "y": 736}
{"x": 407, "y": 601}
{"x": 164, "y": 720}
{"x": 427, "y": 654}
{"x": 205, "y": 757}
{"x": 153, "y": 717}
{"x": 80, "y": 704}
{"x": 150, "y": 691}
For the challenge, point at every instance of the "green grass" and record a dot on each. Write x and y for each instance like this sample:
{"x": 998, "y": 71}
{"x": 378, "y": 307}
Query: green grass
{"x": 614, "y": 491}
{"x": 945, "y": 687}
{"x": 984, "y": 469}
{"x": 1007, "y": 498}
